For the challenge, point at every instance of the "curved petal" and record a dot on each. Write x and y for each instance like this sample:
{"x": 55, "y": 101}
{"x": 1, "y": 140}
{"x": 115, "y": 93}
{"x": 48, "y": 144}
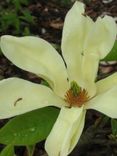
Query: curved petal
{"x": 101, "y": 38}
{"x": 105, "y": 103}
{"x": 66, "y": 132}
{"x": 106, "y": 83}
{"x": 18, "y": 96}
{"x": 95, "y": 48}
{"x": 75, "y": 29}
{"x": 37, "y": 56}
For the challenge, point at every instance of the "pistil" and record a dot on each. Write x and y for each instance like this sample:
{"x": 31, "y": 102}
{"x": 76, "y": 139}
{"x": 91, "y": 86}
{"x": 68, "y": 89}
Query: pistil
{"x": 76, "y": 96}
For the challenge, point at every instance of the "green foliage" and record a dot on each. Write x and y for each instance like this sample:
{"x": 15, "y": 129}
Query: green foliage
{"x": 27, "y": 16}
{"x": 114, "y": 127}
{"x": 8, "y": 151}
{"x": 16, "y": 17}
{"x": 112, "y": 56}
{"x": 29, "y": 128}
{"x": 9, "y": 19}
{"x": 18, "y": 3}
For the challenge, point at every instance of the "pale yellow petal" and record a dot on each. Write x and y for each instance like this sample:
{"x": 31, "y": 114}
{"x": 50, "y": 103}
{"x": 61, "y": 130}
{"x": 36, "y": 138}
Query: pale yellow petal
{"x": 101, "y": 38}
{"x": 66, "y": 132}
{"x": 37, "y": 56}
{"x": 106, "y": 83}
{"x": 18, "y": 96}
{"x": 90, "y": 65}
{"x": 75, "y": 28}
{"x": 105, "y": 103}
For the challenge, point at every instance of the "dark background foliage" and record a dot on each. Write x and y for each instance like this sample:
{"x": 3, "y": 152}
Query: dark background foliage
{"x": 44, "y": 18}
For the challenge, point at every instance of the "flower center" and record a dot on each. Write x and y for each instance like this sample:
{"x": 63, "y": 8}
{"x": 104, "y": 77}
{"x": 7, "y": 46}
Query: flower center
{"x": 76, "y": 96}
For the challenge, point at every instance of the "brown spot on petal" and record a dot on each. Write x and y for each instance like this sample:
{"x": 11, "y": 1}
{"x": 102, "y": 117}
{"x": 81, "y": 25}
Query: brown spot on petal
{"x": 19, "y": 99}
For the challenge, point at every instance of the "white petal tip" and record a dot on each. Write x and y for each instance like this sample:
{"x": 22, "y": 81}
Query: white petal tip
{"x": 79, "y": 6}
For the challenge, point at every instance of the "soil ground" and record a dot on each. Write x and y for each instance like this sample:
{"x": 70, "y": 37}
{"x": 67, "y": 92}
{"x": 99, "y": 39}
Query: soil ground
{"x": 48, "y": 25}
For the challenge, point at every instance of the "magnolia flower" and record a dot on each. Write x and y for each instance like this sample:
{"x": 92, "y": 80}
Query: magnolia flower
{"x": 73, "y": 86}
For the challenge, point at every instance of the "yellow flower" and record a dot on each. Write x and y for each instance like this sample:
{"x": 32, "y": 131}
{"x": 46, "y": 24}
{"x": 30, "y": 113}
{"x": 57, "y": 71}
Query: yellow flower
{"x": 73, "y": 87}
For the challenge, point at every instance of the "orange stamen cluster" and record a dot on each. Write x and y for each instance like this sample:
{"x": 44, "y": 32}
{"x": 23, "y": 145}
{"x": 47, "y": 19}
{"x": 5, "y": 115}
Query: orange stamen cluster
{"x": 76, "y": 100}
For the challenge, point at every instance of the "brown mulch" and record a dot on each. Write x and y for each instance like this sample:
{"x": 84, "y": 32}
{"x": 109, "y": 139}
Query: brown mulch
{"x": 48, "y": 25}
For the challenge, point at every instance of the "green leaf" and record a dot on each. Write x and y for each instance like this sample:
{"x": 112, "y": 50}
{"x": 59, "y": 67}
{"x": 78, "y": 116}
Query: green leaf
{"x": 29, "y": 128}
{"x": 114, "y": 126}
{"x": 27, "y": 16}
{"x": 112, "y": 56}
{"x": 10, "y": 19}
{"x": 16, "y": 4}
{"x": 8, "y": 151}
{"x": 24, "y": 2}
{"x": 26, "y": 31}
